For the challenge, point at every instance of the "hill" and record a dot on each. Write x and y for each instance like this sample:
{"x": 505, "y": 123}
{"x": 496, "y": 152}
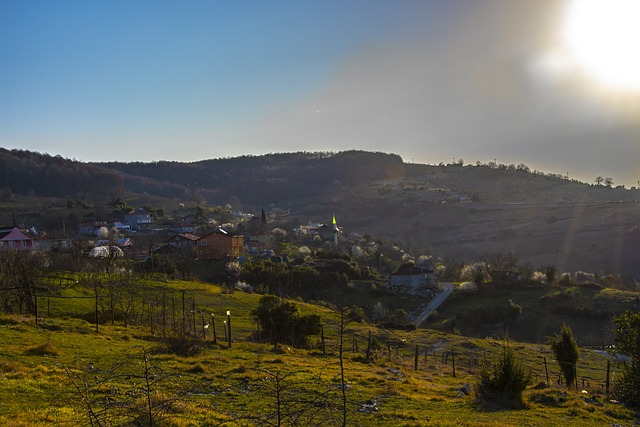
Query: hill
{"x": 466, "y": 213}
{"x": 66, "y": 370}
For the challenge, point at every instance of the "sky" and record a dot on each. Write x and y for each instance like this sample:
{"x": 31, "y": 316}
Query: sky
{"x": 515, "y": 81}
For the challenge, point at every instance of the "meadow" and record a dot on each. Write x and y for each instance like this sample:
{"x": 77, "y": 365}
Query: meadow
{"x": 60, "y": 371}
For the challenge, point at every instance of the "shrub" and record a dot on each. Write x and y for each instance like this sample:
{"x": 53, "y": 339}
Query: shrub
{"x": 627, "y": 338}
{"x": 539, "y": 277}
{"x": 565, "y": 280}
{"x": 501, "y": 380}
{"x": 281, "y": 322}
{"x": 565, "y": 350}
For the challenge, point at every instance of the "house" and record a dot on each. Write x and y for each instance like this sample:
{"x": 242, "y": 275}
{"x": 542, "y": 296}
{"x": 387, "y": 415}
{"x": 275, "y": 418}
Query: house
{"x": 12, "y": 238}
{"x": 121, "y": 226}
{"x": 139, "y": 220}
{"x": 412, "y": 276}
{"x": 184, "y": 241}
{"x": 219, "y": 244}
{"x": 93, "y": 228}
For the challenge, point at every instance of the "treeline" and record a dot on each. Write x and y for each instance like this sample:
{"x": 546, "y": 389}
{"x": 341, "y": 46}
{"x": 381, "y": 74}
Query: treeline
{"x": 260, "y": 179}
{"x": 31, "y": 173}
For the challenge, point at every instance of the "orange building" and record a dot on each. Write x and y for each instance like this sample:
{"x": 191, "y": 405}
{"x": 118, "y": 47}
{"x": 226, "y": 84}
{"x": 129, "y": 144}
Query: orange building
{"x": 220, "y": 244}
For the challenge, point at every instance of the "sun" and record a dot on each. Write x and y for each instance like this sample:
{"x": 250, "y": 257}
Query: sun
{"x": 603, "y": 36}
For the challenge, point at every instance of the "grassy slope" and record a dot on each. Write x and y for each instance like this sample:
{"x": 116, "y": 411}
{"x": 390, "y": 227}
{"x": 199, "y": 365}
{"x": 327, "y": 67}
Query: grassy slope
{"x": 543, "y": 312}
{"x": 35, "y": 390}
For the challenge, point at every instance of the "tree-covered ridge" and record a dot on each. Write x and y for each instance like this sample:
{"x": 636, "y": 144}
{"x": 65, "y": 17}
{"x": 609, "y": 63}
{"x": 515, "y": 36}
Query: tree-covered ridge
{"x": 27, "y": 172}
{"x": 260, "y": 179}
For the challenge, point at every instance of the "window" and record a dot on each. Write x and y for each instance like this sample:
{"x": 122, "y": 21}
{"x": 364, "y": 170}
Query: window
{"x": 203, "y": 242}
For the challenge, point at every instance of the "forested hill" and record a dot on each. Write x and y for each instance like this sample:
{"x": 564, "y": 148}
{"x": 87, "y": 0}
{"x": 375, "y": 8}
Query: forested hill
{"x": 27, "y": 172}
{"x": 260, "y": 180}
{"x": 459, "y": 211}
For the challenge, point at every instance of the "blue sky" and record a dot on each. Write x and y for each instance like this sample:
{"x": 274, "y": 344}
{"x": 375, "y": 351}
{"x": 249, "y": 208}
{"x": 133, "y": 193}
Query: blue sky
{"x": 431, "y": 80}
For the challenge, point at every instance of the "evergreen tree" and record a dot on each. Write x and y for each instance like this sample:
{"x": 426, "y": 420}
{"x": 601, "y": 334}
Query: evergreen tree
{"x": 566, "y": 350}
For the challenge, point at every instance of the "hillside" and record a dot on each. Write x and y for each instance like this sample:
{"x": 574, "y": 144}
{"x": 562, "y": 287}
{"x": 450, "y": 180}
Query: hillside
{"x": 64, "y": 371}
{"x": 465, "y": 213}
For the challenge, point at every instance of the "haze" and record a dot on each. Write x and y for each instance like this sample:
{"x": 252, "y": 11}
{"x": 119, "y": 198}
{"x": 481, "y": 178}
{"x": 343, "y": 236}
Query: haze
{"x": 430, "y": 80}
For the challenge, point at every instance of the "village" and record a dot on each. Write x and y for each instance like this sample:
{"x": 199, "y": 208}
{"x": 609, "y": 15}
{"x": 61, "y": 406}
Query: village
{"x": 199, "y": 237}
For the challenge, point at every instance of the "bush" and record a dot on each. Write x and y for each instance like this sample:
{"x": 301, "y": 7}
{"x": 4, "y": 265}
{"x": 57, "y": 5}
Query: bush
{"x": 627, "y": 338}
{"x": 280, "y": 321}
{"x": 502, "y": 380}
{"x": 565, "y": 349}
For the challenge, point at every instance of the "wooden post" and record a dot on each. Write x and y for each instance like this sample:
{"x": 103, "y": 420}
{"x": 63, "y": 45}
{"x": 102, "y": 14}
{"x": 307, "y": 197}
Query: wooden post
{"x": 415, "y": 360}
{"x": 213, "y": 327}
{"x": 204, "y": 329}
{"x": 324, "y": 347}
{"x": 150, "y": 313}
{"x": 96, "y": 288}
{"x": 608, "y": 377}
{"x": 389, "y": 347}
{"x": 184, "y": 318}
{"x": 164, "y": 313}
{"x": 193, "y": 316}
{"x": 229, "y": 326}
{"x": 35, "y": 299}
{"x": 453, "y": 362}
{"x": 173, "y": 312}
{"x": 546, "y": 370}
{"x": 575, "y": 374}
{"x": 369, "y": 346}
{"x": 48, "y": 307}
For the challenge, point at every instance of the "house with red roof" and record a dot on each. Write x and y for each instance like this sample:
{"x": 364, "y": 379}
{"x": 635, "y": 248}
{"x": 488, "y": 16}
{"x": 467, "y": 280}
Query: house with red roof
{"x": 12, "y": 238}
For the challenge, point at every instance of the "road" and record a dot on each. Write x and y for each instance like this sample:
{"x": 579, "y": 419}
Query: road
{"x": 447, "y": 288}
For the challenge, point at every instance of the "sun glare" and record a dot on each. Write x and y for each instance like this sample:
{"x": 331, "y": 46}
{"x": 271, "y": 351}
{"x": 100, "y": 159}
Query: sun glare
{"x": 603, "y": 36}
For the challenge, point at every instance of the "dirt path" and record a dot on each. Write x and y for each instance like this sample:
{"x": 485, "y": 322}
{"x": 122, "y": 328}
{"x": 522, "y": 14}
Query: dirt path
{"x": 447, "y": 288}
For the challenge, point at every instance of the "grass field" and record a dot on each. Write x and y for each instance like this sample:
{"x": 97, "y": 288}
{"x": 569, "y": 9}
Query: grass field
{"x": 118, "y": 370}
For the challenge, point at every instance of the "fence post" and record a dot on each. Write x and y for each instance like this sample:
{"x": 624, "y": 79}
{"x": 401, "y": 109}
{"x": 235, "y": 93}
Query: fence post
{"x": 608, "y": 373}
{"x": 213, "y": 327}
{"x": 546, "y": 370}
{"x": 204, "y": 329}
{"x": 35, "y": 299}
{"x": 324, "y": 348}
{"x": 369, "y": 346}
{"x": 229, "y": 326}
{"x": 415, "y": 361}
{"x": 453, "y": 362}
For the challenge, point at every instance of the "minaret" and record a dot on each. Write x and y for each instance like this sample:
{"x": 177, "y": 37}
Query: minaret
{"x": 335, "y": 230}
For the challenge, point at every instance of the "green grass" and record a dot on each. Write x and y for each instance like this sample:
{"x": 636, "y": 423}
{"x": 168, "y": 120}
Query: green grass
{"x": 545, "y": 308}
{"x": 37, "y": 363}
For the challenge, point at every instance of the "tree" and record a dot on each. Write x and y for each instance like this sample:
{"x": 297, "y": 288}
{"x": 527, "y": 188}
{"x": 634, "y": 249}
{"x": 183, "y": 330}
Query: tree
{"x": 608, "y": 182}
{"x": 477, "y": 273}
{"x": 627, "y": 338}
{"x": 550, "y": 273}
{"x": 281, "y": 321}
{"x": 566, "y": 351}
{"x": 200, "y": 219}
{"x": 599, "y": 180}
{"x": 502, "y": 380}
